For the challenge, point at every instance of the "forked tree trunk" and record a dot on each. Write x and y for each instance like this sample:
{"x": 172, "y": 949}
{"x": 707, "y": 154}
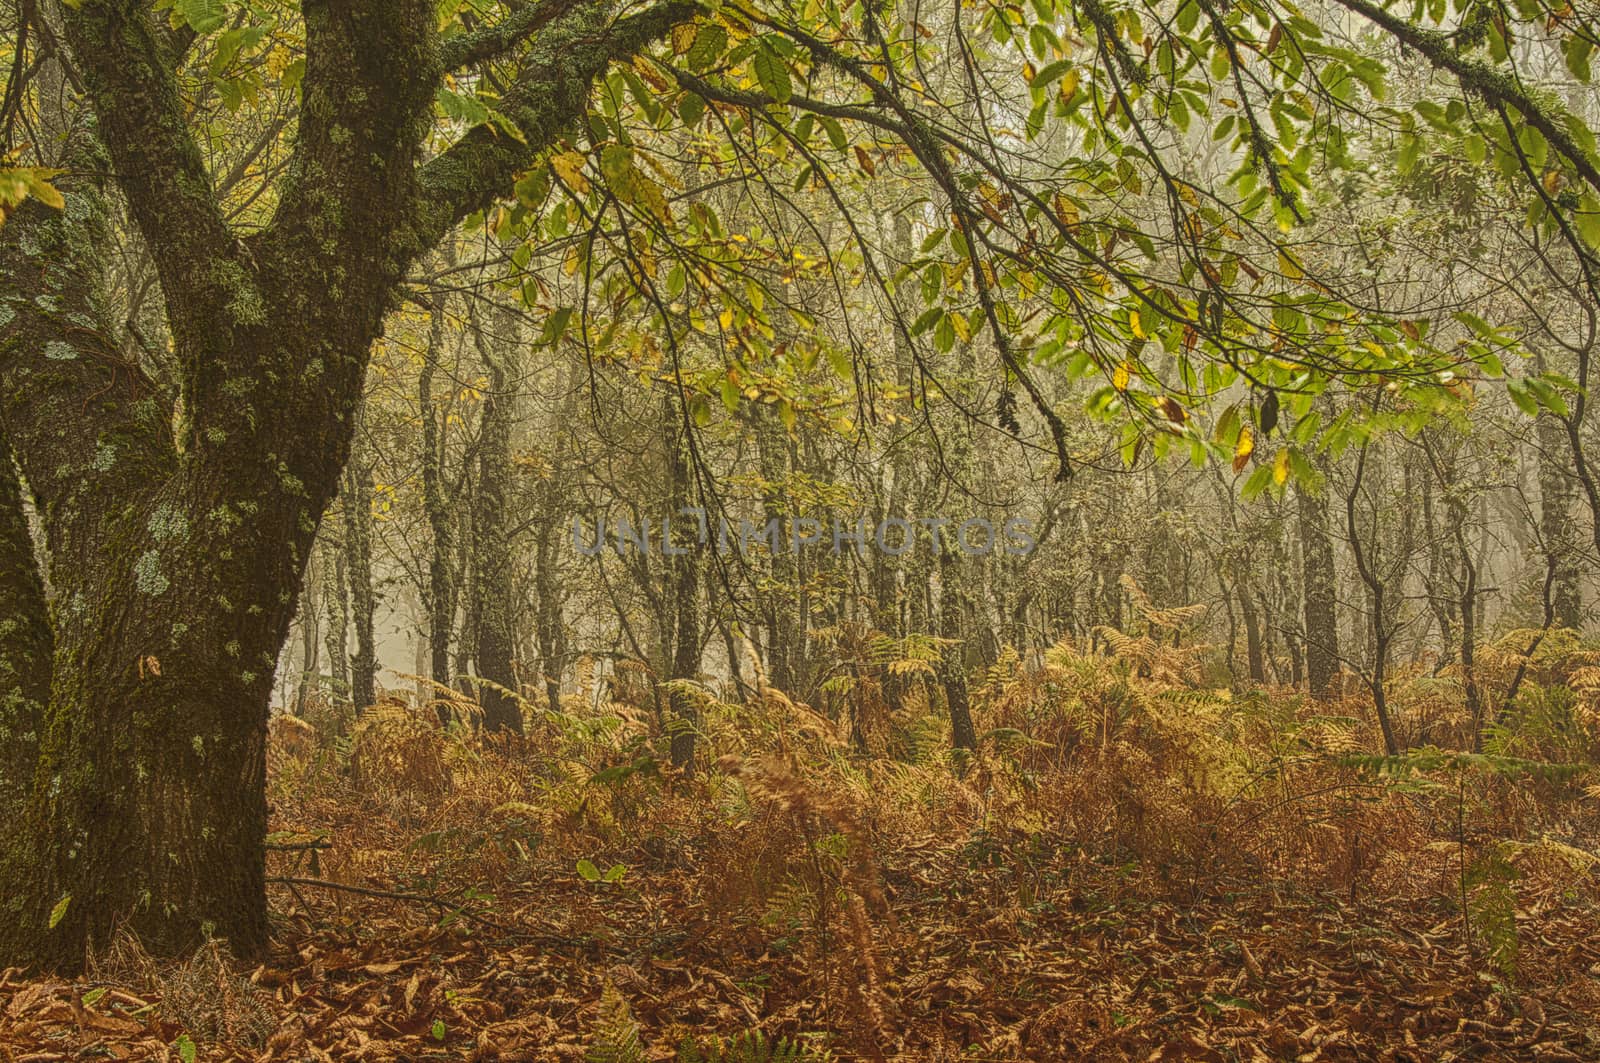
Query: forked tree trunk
{"x": 176, "y": 568}
{"x": 176, "y": 558}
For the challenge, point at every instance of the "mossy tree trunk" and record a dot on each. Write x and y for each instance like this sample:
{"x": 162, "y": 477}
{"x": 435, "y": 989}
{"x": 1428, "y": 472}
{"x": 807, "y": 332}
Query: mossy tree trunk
{"x": 177, "y": 545}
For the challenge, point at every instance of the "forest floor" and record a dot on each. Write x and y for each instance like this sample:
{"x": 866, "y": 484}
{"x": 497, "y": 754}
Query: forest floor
{"x": 564, "y": 899}
{"x": 1101, "y": 964}
{"x": 1245, "y": 975}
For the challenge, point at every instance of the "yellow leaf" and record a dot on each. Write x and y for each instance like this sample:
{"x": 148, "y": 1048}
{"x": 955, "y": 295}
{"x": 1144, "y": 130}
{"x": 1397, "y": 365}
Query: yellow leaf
{"x": 43, "y": 190}
{"x": 1069, "y": 84}
{"x": 568, "y": 166}
{"x": 683, "y": 36}
{"x": 1280, "y": 467}
{"x": 1066, "y": 210}
{"x": 1242, "y": 451}
{"x": 1119, "y": 379}
{"x": 1133, "y": 323}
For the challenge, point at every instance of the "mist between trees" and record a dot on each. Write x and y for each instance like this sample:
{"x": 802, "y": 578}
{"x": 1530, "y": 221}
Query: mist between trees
{"x": 892, "y": 535}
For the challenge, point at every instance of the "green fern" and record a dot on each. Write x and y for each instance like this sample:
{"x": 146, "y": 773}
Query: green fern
{"x": 1492, "y": 908}
{"x": 752, "y": 1046}
{"x": 616, "y": 1038}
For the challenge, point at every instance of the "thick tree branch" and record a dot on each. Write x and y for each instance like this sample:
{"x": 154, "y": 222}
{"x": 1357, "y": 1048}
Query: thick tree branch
{"x": 127, "y": 67}
{"x": 491, "y": 42}
{"x": 549, "y": 95}
{"x": 88, "y": 428}
{"x": 368, "y": 93}
{"x": 1481, "y": 80}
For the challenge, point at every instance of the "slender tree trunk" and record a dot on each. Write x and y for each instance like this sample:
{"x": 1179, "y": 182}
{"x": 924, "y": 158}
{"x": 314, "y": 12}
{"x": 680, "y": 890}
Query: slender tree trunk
{"x": 337, "y": 635}
{"x": 684, "y": 574}
{"x": 495, "y": 584}
{"x": 358, "y": 565}
{"x": 310, "y": 670}
{"x": 1557, "y": 528}
{"x": 778, "y": 603}
{"x": 551, "y": 629}
{"x": 441, "y": 595}
{"x": 1382, "y": 634}
{"x": 1254, "y": 655}
{"x": 952, "y": 676}
{"x": 1321, "y": 594}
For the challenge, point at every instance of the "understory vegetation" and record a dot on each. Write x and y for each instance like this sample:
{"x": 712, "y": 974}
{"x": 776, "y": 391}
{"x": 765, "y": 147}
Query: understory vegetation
{"x": 1134, "y": 863}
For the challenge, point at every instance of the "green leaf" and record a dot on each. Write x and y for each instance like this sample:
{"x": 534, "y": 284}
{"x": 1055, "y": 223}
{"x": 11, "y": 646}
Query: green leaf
{"x": 773, "y": 74}
{"x": 1578, "y": 50}
{"x": 1410, "y": 147}
{"x": 707, "y": 47}
{"x": 203, "y": 16}
{"x": 59, "y": 912}
{"x": 587, "y": 871}
{"x": 185, "y": 1048}
{"x": 1587, "y": 219}
{"x": 555, "y": 326}
{"x": 691, "y": 108}
{"x": 1533, "y": 146}
{"x": 1518, "y": 390}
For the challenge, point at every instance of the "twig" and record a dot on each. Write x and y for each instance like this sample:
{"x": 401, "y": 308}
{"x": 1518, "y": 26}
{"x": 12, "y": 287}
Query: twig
{"x": 437, "y": 902}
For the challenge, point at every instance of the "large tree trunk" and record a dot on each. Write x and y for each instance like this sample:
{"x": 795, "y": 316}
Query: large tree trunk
{"x": 175, "y": 575}
{"x": 176, "y": 558}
